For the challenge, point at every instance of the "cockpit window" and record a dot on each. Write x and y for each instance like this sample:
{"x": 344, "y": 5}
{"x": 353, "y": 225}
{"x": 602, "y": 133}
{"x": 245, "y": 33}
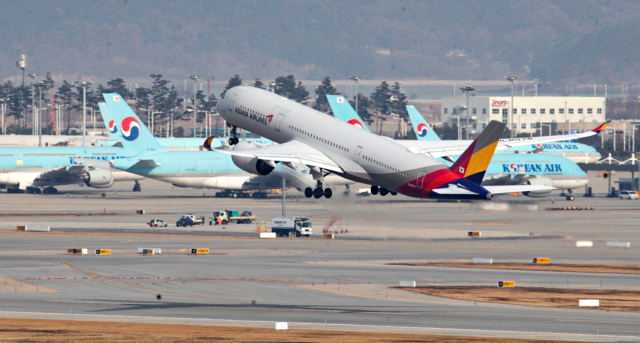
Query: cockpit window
{"x": 222, "y": 95}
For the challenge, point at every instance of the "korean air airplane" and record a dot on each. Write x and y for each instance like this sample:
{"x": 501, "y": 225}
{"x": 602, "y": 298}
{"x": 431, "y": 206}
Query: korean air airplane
{"x": 197, "y": 169}
{"x": 504, "y": 168}
{"x": 41, "y": 169}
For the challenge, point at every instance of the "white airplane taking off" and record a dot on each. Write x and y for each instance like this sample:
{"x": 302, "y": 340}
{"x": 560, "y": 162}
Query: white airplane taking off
{"x": 327, "y": 145}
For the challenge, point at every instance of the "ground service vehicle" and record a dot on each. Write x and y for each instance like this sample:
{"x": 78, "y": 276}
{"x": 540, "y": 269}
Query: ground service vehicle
{"x": 157, "y": 223}
{"x": 628, "y": 195}
{"x": 229, "y": 216}
{"x": 189, "y": 220}
{"x": 290, "y": 226}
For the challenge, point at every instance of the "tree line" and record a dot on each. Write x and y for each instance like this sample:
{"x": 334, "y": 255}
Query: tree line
{"x": 163, "y": 99}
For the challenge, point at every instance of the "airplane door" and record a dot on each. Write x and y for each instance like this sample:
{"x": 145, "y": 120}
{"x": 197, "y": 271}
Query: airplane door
{"x": 279, "y": 121}
{"x": 420, "y": 181}
{"x": 232, "y": 101}
{"x": 179, "y": 171}
{"x": 3, "y": 166}
{"x": 356, "y": 154}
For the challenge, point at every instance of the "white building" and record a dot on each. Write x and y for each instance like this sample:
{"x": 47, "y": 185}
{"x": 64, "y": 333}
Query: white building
{"x": 528, "y": 113}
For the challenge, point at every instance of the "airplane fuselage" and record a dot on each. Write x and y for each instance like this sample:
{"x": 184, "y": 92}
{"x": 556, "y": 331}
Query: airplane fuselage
{"x": 363, "y": 157}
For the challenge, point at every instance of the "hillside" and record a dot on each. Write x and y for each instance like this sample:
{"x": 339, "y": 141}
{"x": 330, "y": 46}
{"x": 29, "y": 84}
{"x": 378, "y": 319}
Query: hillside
{"x": 377, "y": 39}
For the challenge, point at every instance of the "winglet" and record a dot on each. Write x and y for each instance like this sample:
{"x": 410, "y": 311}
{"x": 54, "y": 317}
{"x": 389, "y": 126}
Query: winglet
{"x": 601, "y": 127}
{"x": 473, "y": 162}
{"x": 207, "y": 143}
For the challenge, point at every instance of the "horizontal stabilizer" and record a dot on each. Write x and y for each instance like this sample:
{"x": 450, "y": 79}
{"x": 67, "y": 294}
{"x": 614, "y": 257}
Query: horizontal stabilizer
{"x": 517, "y": 188}
{"x": 453, "y": 190}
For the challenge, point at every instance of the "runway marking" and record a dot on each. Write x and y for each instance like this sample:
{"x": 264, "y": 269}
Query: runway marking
{"x": 594, "y": 321}
{"x": 114, "y": 277}
{"x": 320, "y": 324}
{"x": 28, "y": 284}
{"x": 106, "y": 302}
{"x": 136, "y": 286}
{"x": 483, "y": 224}
{"x": 241, "y": 279}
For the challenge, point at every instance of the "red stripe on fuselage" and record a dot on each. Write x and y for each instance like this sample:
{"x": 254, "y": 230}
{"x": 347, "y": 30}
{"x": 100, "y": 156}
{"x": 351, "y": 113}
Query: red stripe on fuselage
{"x": 431, "y": 181}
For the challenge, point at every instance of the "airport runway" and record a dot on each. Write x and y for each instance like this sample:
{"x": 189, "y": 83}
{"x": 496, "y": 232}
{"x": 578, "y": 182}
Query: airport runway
{"x": 246, "y": 281}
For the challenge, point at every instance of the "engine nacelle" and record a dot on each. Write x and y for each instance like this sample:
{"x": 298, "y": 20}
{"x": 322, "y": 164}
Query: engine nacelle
{"x": 98, "y": 178}
{"x": 251, "y": 164}
{"x": 539, "y": 181}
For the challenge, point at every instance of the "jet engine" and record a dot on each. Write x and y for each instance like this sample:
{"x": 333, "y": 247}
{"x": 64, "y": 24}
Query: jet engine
{"x": 98, "y": 178}
{"x": 251, "y": 164}
{"x": 539, "y": 181}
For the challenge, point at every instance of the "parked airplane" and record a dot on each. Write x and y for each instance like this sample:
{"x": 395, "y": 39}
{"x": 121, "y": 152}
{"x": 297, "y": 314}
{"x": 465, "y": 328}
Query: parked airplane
{"x": 504, "y": 169}
{"x": 30, "y": 169}
{"x": 327, "y": 145}
{"x": 576, "y": 152}
{"x": 190, "y": 168}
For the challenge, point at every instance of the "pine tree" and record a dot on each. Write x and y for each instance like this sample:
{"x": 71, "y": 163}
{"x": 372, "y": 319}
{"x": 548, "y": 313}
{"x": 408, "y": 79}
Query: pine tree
{"x": 233, "y": 82}
{"x": 398, "y": 103}
{"x": 258, "y": 84}
{"x": 66, "y": 94}
{"x": 364, "y": 107}
{"x": 118, "y": 86}
{"x": 324, "y": 89}
{"x": 288, "y": 88}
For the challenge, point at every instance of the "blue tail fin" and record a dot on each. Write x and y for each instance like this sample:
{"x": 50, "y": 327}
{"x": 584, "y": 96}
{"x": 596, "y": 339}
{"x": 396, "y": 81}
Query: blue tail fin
{"x": 133, "y": 133}
{"x": 423, "y": 131}
{"x": 343, "y": 111}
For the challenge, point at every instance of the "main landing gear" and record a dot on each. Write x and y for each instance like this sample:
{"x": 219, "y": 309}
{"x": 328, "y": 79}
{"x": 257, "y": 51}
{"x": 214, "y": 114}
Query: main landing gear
{"x": 318, "y": 192}
{"x": 50, "y": 190}
{"x": 32, "y": 190}
{"x": 382, "y": 190}
{"x": 234, "y": 136}
{"x": 137, "y": 187}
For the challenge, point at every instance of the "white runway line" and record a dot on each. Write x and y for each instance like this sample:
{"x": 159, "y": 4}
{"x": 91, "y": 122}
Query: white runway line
{"x": 355, "y": 326}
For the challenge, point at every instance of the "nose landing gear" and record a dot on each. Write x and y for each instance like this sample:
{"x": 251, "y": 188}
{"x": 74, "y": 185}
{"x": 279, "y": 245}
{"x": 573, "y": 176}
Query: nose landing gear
{"x": 234, "y": 136}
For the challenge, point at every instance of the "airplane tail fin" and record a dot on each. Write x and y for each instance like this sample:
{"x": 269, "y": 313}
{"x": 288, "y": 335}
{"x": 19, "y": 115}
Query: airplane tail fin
{"x": 342, "y": 110}
{"x": 473, "y": 163}
{"x": 133, "y": 133}
{"x": 423, "y": 131}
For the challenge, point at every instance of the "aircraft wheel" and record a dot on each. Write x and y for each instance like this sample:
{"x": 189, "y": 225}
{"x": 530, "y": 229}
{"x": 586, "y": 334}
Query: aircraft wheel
{"x": 328, "y": 193}
{"x": 393, "y": 193}
{"x": 32, "y": 190}
{"x": 137, "y": 188}
{"x": 308, "y": 192}
{"x": 383, "y": 191}
{"x": 318, "y": 193}
{"x": 374, "y": 190}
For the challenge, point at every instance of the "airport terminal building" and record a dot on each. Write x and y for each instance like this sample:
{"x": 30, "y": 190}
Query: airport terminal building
{"x": 527, "y": 114}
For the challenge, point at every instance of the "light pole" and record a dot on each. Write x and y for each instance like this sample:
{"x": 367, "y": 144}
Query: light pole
{"x": 466, "y": 90}
{"x": 356, "y": 79}
{"x": 195, "y": 101}
{"x": 84, "y": 112}
{"x": 33, "y": 104}
{"x": 511, "y": 79}
{"x": 40, "y": 86}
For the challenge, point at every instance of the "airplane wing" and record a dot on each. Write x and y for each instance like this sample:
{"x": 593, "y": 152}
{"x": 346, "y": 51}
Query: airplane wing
{"x": 455, "y": 190}
{"x": 293, "y": 151}
{"x": 91, "y": 162}
{"x": 451, "y": 148}
{"x": 62, "y": 172}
